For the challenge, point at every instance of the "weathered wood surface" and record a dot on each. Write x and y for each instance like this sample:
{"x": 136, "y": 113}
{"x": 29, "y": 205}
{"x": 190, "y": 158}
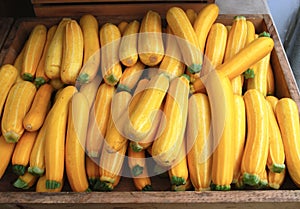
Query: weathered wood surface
{"x": 5, "y": 26}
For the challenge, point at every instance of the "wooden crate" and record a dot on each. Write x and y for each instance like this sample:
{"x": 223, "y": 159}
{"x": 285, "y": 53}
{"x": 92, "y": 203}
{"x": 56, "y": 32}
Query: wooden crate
{"x": 59, "y": 8}
{"x": 124, "y": 195}
{"x": 5, "y": 26}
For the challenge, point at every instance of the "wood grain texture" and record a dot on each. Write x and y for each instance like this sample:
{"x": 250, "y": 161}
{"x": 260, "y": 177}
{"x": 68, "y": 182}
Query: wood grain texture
{"x": 5, "y": 26}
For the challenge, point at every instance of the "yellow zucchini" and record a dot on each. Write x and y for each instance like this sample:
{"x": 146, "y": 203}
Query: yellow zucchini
{"x": 8, "y": 76}
{"x": 40, "y": 76}
{"x": 110, "y": 38}
{"x": 240, "y": 62}
{"x": 137, "y": 163}
{"x": 6, "y": 152}
{"x": 150, "y": 41}
{"x": 111, "y": 164}
{"x": 275, "y": 180}
{"x": 166, "y": 148}
{"x": 205, "y": 19}
{"x": 276, "y": 156}
{"x": 37, "y": 156}
{"x": 56, "y": 83}
{"x": 90, "y": 89}
{"x": 270, "y": 80}
{"x": 172, "y": 63}
{"x": 222, "y": 115}
{"x": 257, "y": 142}
{"x": 250, "y": 32}
{"x": 260, "y": 69}
{"x": 114, "y": 138}
{"x": 55, "y": 138}
{"x": 178, "y": 172}
{"x": 191, "y": 14}
{"x": 41, "y": 185}
{"x": 36, "y": 115}
{"x": 78, "y": 118}
{"x": 236, "y": 41}
{"x": 55, "y": 51}
{"x": 122, "y": 26}
{"x": 287, "y": 115}
{"x": 239, "y": 135}
{"x": 98, "y": 121}
{"x": 128, "y": 51}
{"x": 130, "y": 76}
{"x": 17, "y": 105}
{"x": 72, "y": 57}
{"x": 215, "y": 47}
{"x": 273, "y": 101}
{"x": 199, "y": 144}
{"x": 140, "y": 118}
{"x": 187, "y": 38}
{"x": 25, "y": 181}
{"x": 92, "y": 170}
{"x": 33, "y": 51}
{"x": 91, "y": 44}
{"x": 19, "y": 62}
{"x": 21, "y": 155}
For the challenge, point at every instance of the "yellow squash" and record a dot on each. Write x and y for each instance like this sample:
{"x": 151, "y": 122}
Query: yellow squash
{"x": 236, "y": 41}
{"x": 128, "y": 51}
{"x": 199, "y": 142}
{"x": 257, "y": 142}
{"x": 17, "y": 105}
{"x": 205, "y": 19}
{"x": 25, "y": 181}
{"x": 21, "y": 155}
{"x": 33, "y": 51}
{"x": 37, "y": 156}
{"x": 178, "y": 172}
{"x": 239, "y": 134}
{"x": 90, "y": 89}
{"x": 36, "y": 115}
{"x": 150, "y": 41}
{"x": 276, "y": 157}
{"x": 166, "y": 147}
{"x": 6, "y": 151}
{"x": 72, "y": 56}
{"x": 172, "y": 63}
{"x": 275, "y": 180}
{"x": 186, "y": 38}
{"x": 221, "y": 101}
{"x": 8, "y": 76}
{"x": 131, "y": 76}
{"x": 140, "y": 118}
{"x": 240, "y": 62}
{"x": 78, "y": 118}
{"x": 137, "y": 163}
{"x": 91, "y": 44}
{"x": 287, "y": 115}
{"x": 92, "y": 170}
{"x": 260, "y": 69}
{"x": 40, "y": 76}
{"x": 41, "y": 185}
{"x": 98, "y": 121}
{"x": 55, "y": 138}
{"x": 55, "y": 51}
{"x": 215, "y": 47}
{"x": 110, "y": 38}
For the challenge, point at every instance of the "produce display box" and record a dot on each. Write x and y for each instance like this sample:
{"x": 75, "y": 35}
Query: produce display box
{"x": 124, "y": 195}
{"x": 5, "y": 26}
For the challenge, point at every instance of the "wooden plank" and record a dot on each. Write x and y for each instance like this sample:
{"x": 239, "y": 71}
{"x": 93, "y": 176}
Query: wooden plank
{"x": 5, "y": 26}
{"x": 117, "y": 1}
{"x": 187, "y": 199}
{"x": 138, "y": 9}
